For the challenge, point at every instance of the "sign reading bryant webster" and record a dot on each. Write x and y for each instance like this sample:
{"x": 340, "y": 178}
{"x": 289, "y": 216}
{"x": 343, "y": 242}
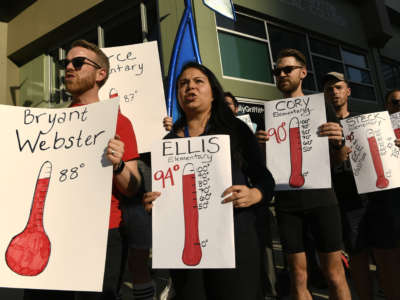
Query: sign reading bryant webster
{"x": 56, "y": 188}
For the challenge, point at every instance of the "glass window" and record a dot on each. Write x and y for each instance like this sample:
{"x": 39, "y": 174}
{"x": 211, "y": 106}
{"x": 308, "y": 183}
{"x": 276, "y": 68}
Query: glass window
{"x": 323, "y": 66}
{"x": 362, "y": 92}
{"x": 357, "y": 75}
{"x": 354, "y": 59}
{"x": 391, "y": 74}
{"x": 281, "y": 39}
{"x": 243, "y": 24}
{"x": 245, "y": 58}
{"x": 309, "y": 83}
{"x": 324, "y": 48}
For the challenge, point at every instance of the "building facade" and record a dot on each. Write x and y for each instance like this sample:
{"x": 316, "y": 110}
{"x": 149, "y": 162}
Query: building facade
{"x": 358, "y": 38}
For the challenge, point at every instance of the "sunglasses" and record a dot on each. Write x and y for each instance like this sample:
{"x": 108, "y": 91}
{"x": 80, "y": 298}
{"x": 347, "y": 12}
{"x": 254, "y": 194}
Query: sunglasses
{"x": 395, "y": 101}
{"x": 287, "y": 70}
{"x": 78, "y": 62}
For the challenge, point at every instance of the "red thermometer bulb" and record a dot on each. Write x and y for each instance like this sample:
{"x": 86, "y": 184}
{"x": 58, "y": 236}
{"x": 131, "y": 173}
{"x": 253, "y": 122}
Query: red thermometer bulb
{"x": 28, "y": 252}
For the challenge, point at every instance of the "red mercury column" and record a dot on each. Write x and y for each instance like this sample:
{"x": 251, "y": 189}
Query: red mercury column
{"x": 191, "y": 255}
{"x": 381, "y": 181}
{"x": 296, "y": 154}
{"x": 28, "y": 252}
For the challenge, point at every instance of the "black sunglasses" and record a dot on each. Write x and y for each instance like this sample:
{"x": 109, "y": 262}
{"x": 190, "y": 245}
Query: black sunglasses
{"x": 287, "y": 70}
{"x": 395, "y": 101}
{"x": 78, "y": 62}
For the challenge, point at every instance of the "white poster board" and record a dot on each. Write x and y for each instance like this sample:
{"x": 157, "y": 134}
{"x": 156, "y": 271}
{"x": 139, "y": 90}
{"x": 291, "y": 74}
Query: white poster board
{"x": 395, "y": 119}
{"x": 246, "y": 118}
{"x": 224, "y": 7}
{"x": 296, "y": 156}
{"x": 55, "y": 196}
{"x": 135, "y": 76}
{"x": 374, "y": 157}
{"x": 191, "y": 227}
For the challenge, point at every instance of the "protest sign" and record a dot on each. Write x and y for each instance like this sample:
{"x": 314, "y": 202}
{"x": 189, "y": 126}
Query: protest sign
{"x": 296, "y": 156}
{"x": 135, "y": 76}
{"x": 395, "y": 119}
{"x": 191, "y": 227}
{"x": 374, "y": 157}
{"x": 55, "y": 196}
{"x": 246, "y": 118}
{"x": 223, "y": 7}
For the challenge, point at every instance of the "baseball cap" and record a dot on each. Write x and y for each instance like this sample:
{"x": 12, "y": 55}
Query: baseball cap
{"x": 332, "y": 75}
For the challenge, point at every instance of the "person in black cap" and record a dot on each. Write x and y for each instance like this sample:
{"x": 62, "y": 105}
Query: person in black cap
{"x": 367, "y": 223}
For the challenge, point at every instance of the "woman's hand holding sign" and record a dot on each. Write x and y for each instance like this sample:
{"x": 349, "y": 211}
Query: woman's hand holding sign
{"x": 242, "y": 196}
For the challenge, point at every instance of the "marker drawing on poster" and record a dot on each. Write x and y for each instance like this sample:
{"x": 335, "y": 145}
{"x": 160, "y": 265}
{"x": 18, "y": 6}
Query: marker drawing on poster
{"x": 191, "y": 227}
{"x": 374, "y": 157}
{"x": 56, "y": 191}
{"x": 135, "y": 76}
{"x": 296, "y": 156}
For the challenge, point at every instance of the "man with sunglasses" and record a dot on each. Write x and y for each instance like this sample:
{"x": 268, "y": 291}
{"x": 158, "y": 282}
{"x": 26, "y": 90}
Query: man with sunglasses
{"x": 313, "y": 211}
{"x": 86, "y": 70}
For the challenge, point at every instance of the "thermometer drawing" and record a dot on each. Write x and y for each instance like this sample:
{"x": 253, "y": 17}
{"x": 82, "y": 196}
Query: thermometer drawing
{"x": 28, "y": 252}
{"x": 192, "y": 254}
{"x": 381, "y": 181}
{"x": 296, "y": 155}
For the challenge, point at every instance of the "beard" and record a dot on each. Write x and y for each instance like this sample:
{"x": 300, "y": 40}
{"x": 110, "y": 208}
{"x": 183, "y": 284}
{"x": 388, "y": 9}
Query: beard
{"x": 287, "y": 85}
{"x": 78, "y": 85}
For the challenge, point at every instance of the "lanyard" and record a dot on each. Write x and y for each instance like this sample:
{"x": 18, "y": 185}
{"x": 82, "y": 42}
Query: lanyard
{"x": 186, "y": 131}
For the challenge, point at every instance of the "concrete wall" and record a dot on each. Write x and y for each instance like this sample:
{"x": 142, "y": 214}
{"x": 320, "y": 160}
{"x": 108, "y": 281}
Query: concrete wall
{"x": 3, "y": 62}
{"x": 42, "y": 17}
{"x": 337, "y": 19}
{"x": 392, "y": 48}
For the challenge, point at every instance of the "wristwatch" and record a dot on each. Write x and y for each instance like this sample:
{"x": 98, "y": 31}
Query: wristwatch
{"x": 341, "y": 145}
{"x": 120, "y": 167}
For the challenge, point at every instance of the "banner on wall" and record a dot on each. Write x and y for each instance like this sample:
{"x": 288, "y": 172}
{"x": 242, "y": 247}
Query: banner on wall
{"x": 56, "y": 191}
{"x": 191, "y": 227}
{"x": 374, "y": 157}
{"x": 296, "y": 156}
{"x": 135, "y": 76}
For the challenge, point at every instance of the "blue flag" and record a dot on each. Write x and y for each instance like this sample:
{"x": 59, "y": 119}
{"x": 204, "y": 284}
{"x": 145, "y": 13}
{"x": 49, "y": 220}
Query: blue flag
{"x": 186, "y": 49}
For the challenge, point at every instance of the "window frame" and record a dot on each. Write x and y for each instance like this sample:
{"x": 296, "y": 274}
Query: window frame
{"x": 241, "y": 34}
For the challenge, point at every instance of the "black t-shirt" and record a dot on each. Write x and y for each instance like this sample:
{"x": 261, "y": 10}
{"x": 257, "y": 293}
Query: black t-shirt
{"x": 296, "y": 200}
{"x": 344, "y": 184}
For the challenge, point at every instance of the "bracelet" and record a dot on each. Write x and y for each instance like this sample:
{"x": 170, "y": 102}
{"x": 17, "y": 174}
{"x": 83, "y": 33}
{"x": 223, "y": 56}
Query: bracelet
{"x": 120, "y": 167}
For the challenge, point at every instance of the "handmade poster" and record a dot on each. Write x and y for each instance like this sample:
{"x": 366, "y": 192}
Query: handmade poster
{"x": 296, "y": 156}
{"x": 191, "y": 227}
{"x": 55, "y": 196}
{"x": 246, "y": 118}
{"x": 374, "y": 157}
{"x": 135, "y": 76}
{"x": 395, "y": 119}
{"x": 224, "y": 7}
